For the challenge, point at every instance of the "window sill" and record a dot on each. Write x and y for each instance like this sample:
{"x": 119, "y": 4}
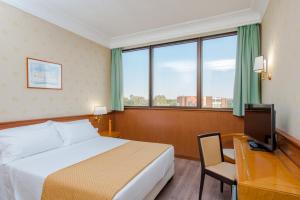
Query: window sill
{"x": 178, "y": 108}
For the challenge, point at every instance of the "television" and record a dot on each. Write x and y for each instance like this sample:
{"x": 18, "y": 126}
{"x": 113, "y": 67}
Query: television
{"x": 260, "y": 126}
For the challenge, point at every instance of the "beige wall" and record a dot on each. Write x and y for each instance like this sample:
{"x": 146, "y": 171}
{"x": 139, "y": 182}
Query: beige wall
{"x": 281, "y": 46}
{"x": 86, "y": 67}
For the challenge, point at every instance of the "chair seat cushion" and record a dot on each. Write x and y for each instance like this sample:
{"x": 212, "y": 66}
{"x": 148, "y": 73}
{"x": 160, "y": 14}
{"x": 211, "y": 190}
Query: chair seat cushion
{"x": 229, "y": 153}
{"x": 224, "y": 169}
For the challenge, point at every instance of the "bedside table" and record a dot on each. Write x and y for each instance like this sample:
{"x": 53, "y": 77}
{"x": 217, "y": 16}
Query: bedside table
{"x": 114, "y": 134}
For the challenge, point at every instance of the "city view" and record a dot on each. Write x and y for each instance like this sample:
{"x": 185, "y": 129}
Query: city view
{"x": 184, "y": 101}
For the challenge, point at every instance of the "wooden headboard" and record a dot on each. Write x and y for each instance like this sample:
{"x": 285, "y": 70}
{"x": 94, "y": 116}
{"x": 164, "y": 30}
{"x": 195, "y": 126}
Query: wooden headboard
{"x": 103, "y": 125}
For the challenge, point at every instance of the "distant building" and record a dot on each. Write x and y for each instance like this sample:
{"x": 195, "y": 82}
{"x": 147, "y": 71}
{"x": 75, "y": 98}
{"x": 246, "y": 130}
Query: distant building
{"x": 186, "y": 101}
{"x": 216, "y": 102}
{"x": 207, "y": 101}
{"x": 226, "y": 103}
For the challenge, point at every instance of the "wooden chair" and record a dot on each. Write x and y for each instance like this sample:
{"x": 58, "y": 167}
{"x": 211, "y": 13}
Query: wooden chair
{"x": 227, "y": 145}
{"x": 212, "y": 161}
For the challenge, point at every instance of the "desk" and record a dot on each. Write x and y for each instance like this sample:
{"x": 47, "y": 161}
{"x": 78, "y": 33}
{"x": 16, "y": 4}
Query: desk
{"x": 265, "y": 175}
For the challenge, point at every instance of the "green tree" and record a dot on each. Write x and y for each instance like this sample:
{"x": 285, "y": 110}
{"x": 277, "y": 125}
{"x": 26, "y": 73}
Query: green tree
{"x": 160, "y": 100}
{"x": 135, "y": 101}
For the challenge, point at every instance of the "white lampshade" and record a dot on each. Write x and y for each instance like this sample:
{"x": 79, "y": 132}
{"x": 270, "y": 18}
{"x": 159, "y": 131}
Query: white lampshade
{"x": 100, "y": 110}
{"x": 259, "y": 65}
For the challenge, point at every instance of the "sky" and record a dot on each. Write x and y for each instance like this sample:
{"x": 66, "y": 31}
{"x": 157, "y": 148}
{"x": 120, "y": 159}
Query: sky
{"x": 175, "y": 72}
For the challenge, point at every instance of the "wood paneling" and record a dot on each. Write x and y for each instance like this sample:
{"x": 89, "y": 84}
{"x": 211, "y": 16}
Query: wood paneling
{"x": 289, "y": 145}
{"x": 175, "y": 126}
{"x": 227, "y": 139}
{"x": 102, "y": 125}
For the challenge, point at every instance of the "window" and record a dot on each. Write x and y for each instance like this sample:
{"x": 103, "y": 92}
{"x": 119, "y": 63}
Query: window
{"x": 175, "y": 75}
{"x": 218, "y": 58}
{"x": 136, "y": 77}
{"x": 196, "y": 73}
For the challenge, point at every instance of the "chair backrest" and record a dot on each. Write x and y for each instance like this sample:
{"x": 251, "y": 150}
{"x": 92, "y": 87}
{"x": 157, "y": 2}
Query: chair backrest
{"x": 210, "y": 149}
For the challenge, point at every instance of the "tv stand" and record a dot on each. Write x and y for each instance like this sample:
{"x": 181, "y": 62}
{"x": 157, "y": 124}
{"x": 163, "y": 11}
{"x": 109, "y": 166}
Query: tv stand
{"x": 256, "y": 146}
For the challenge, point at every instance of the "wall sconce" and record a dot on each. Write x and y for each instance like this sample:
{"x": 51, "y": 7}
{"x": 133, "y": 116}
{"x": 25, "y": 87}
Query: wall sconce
{"x": 99, "y": 111}
{"x": 260, "y": 66}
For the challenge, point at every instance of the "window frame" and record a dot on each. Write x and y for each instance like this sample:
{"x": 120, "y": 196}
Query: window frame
{"x": 197, "y": 69}
{"x": 149, "y": 71}
{"x": 211, "y": 37}
{"x": 199, "y": 41}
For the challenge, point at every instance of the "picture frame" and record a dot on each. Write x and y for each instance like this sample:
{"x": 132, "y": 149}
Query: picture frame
{"x": 43, "y": 74}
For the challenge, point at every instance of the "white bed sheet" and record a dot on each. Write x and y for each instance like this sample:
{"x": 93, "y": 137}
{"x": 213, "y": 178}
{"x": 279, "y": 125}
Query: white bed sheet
{"x": 23, "y": 179}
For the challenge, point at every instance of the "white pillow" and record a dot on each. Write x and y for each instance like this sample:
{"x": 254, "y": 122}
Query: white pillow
{"x": 72, "y": 133}
{"x": 26, "y": 142}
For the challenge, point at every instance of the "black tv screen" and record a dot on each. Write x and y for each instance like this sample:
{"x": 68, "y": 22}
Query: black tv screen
{"x": 260, "y": 124}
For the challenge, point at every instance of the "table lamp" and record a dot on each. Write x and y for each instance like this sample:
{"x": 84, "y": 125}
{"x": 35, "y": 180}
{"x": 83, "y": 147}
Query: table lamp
{"x": 99, "y": 111}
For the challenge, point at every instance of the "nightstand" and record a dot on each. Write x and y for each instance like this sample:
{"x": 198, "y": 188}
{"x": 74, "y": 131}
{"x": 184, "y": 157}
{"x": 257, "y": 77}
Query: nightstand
{"x": 114, "y": 134}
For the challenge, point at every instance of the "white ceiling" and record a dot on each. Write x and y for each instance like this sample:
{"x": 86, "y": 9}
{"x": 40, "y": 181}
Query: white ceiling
{"x": 120, "y": 23}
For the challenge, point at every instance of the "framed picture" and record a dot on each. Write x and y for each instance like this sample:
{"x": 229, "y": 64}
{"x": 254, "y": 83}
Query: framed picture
{"x": 43, "y": 74}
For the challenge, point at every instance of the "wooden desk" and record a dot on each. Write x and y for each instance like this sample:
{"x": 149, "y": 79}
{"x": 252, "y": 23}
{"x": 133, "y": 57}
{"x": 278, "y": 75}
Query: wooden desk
{"x": 265, "y": 175}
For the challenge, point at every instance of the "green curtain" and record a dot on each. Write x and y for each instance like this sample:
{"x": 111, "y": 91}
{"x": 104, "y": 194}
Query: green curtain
{"x": 247, "y": 87}
{"x": 117, "y": 80}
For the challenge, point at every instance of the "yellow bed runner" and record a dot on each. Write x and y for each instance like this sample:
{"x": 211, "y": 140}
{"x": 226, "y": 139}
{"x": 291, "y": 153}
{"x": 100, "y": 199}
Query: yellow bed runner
{"x": 103, "y": 176}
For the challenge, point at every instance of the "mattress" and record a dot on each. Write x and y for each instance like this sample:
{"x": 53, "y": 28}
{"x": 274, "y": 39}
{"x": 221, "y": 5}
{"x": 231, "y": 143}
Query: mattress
{"x": 23, "y": 179}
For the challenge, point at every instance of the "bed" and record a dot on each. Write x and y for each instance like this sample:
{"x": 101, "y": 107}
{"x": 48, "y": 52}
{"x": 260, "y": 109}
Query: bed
{"x": 23, "y": 179}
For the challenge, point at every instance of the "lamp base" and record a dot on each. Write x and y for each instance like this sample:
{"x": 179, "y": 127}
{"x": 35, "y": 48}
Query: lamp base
{"x": 266, "y": 76}
{"x": 98, "y": 119}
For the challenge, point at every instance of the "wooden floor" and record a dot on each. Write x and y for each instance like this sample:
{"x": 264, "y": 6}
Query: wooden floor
{"x": 185, "y": 184}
